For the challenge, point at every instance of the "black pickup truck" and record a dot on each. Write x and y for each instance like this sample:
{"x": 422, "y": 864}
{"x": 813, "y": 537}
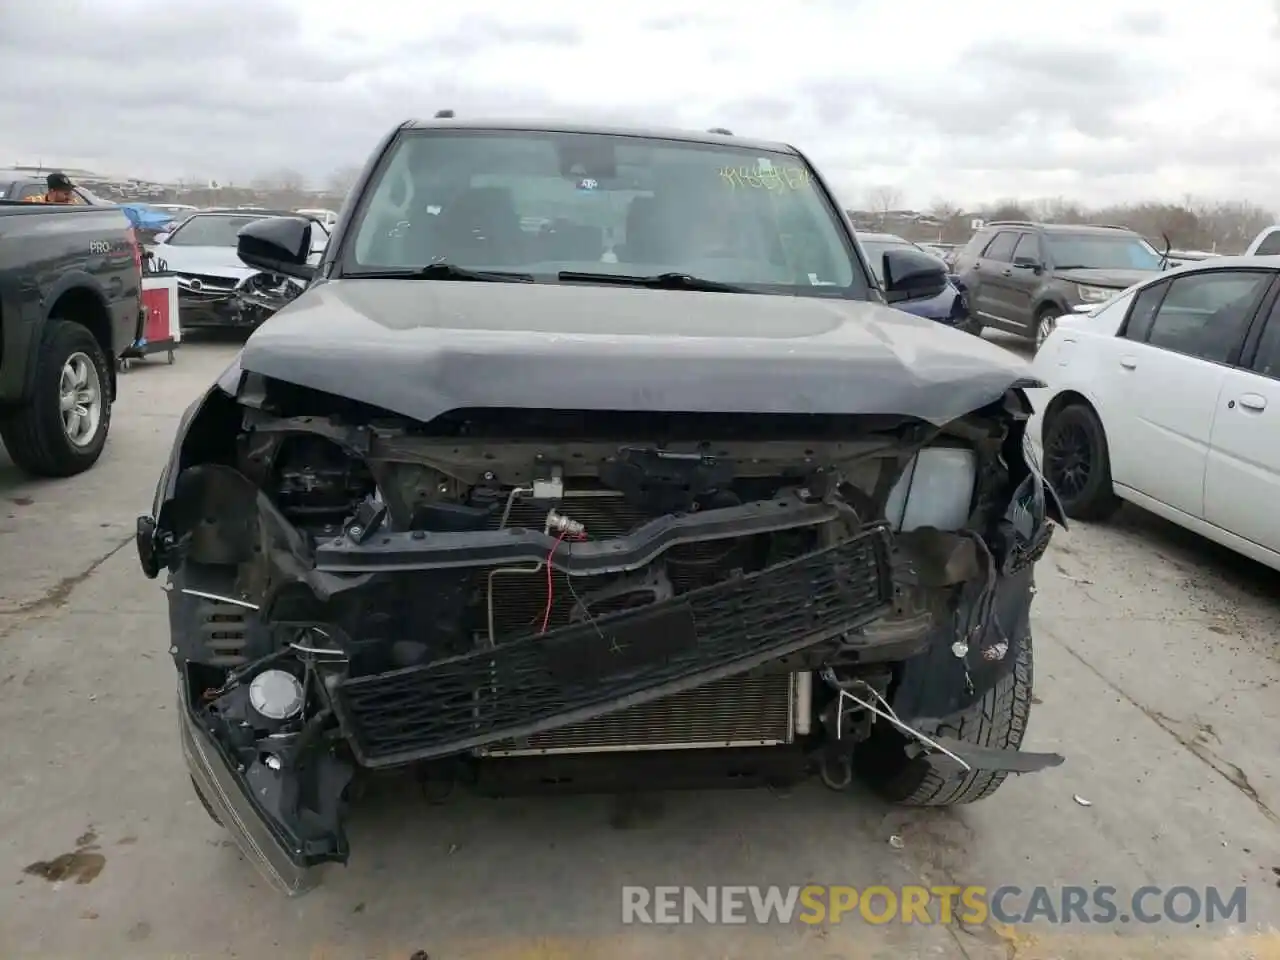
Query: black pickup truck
{"x": 70, "y": 304}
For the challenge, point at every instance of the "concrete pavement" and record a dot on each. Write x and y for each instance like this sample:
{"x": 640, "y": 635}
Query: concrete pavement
{"x": 1157, "y": 675}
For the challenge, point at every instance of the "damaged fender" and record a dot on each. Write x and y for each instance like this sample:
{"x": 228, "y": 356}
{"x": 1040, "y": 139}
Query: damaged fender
{"x": 952, "y": 675}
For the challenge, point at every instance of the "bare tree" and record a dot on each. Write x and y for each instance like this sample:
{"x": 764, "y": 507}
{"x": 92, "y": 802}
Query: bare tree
{"x": 340, "y": 181}
{"x": 1007, "y": 210}
{"x": 1189, "y": 224}
{"x": 953, "y": 224}
{"x": 1057, "y": 210}
{"x": 883, "y": 200}
{"x": 288, "y": 180}
{"x": 944, "y": 211}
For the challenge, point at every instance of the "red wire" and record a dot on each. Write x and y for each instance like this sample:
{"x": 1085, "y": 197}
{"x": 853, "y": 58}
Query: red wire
{"x": 551, "y": 590}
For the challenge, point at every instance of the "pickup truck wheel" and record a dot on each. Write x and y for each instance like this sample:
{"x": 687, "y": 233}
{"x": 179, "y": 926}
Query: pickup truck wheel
{"x": 62, "y": 429}
{"x": 998, "y": 720}
{"x": 1077, "y": 463}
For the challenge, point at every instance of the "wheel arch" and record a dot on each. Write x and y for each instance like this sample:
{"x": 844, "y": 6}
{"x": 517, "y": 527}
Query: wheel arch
{"x": 84, "y": 305}
{"x": 1066, "y": 399}
{"x": 1050, "y": 301}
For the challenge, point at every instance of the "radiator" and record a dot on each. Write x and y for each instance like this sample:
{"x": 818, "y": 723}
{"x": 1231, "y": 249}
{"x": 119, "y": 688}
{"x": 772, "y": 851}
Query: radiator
{"x": 746, "y": 711}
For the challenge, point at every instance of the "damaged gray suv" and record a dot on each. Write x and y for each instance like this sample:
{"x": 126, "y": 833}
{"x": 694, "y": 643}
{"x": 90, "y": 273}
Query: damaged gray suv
{"x": 597, "y": 458}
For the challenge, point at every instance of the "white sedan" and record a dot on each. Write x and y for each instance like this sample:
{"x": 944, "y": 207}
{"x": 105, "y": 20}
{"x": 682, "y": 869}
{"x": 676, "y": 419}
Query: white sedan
{"x": 1168, "y": 396}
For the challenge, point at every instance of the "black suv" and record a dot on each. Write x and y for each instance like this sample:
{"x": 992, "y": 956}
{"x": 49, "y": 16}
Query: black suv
{"x": 1023, "y": 276}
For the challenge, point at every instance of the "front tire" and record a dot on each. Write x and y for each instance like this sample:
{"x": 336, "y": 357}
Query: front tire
{"x": 998, "y": 720}
{"x": 63, "y": 428}
{"x": 1077, "y": 462}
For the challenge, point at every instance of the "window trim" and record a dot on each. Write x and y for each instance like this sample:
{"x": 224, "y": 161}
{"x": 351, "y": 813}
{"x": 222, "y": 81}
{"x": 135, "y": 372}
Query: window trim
{"x": 1123, "y": 332}
{"x": 1016, "y": 234}
{"x": 1267, "y": 313}
{"x": 973, "y": 248}
{"x": 1235, "y": 357}
{"x": 1039, "y": 247}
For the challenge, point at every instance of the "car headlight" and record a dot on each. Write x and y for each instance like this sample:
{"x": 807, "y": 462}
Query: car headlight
{"x": 935, "y": 490}
{"x": 271, "y": 285}
{"x": 1089, "y": 294}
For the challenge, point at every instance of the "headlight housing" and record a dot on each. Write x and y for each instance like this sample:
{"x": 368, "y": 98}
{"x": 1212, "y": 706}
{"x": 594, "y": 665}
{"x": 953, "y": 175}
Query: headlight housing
{"x": 1088, "y": 294}
{"x": 935, "y": 490}
{"x": 271, "y": 285}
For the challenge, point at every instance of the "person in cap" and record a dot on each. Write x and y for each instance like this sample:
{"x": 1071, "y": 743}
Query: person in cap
{"x": 59, "y": 188}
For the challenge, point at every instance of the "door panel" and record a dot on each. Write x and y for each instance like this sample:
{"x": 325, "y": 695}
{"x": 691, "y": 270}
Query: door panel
{"x": 1242, "y": 483}
{"x": 1160, "y": 440}
{"x": 995, "y": 267}
{"x": 1023, "y": 281}
{"x": 1169, "y": 376}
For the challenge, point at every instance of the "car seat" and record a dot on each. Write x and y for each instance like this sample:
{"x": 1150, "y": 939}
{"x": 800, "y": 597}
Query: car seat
{"x": 480, "y": 226}
{"x": 643, "y": 243}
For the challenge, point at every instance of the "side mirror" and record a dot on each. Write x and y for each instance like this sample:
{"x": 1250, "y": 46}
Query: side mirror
{"x": 277, "y": 245}
{"x": 161, "y": 237}
{"x": 912, "y": 275}
{"x": 1027, "y": 263}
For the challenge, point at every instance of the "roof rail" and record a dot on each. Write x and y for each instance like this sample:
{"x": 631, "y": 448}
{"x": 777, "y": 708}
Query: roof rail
{"x": 1112, "y": 226}
{"x": 444, "y": 114}
{"x": 723, "y": 131}
{"x": 1010, "y": 223}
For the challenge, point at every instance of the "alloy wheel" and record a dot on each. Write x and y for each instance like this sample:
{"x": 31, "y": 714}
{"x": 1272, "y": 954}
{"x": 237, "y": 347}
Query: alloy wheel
{"x": 1069, "y": 460}
{"x": 1047, "y": 323}
{"x": 80, "y": 399}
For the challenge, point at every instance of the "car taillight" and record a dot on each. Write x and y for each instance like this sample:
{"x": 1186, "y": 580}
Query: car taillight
{"x": 137, "y": 249}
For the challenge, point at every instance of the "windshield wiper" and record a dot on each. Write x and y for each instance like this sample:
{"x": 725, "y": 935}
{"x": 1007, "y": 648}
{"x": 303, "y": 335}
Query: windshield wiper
{"x": 444, "y": 271}
{"x": 658, "y": 281}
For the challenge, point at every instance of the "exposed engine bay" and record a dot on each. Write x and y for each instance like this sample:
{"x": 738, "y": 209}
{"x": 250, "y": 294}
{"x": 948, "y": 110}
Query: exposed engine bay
{"x": 539, "y": 591}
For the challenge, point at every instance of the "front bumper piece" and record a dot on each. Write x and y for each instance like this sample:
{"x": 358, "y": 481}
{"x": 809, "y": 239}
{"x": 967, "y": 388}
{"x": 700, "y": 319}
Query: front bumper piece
{"x": 227, "y": 794}
{"x": 531, "y": 684}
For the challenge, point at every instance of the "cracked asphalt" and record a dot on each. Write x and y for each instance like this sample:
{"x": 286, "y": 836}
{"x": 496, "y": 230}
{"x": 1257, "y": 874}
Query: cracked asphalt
{"x": 1157, "y": 676}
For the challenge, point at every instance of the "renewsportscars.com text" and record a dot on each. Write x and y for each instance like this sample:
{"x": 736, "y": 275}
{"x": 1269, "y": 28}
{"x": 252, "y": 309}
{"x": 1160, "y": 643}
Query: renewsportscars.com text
{"x": 814, "y": 904}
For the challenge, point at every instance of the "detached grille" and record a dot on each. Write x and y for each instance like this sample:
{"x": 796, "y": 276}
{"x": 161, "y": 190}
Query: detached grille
{"x": 210, "y": 280}
{"x": 520, "y": 687}
{"x": 750, "y": 711}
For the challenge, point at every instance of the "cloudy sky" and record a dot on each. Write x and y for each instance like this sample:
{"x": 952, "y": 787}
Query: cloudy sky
{"x": 967, "y": 100}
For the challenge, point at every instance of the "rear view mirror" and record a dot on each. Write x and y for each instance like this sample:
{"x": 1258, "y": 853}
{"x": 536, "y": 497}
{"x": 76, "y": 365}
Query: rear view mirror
{"x": 277, "y": 245}
{"x": 1027, "y": 263}
{"x": 911, "y": 274}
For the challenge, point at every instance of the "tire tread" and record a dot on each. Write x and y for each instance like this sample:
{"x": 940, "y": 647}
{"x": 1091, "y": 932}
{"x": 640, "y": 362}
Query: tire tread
{"x": 998, "y": 720}
{"x": 32, "y": 433}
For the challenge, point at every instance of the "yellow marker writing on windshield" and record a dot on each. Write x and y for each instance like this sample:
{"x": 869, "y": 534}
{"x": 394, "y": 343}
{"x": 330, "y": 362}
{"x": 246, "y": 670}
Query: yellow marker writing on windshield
{"x": 773, "y": 178}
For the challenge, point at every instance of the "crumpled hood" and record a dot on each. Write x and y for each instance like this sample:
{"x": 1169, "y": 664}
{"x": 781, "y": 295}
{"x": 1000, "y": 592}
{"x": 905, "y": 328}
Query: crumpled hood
{"x": 1113, "y": 279}
{"x": 213, "y": 261}
{"x": 422, "y": 348}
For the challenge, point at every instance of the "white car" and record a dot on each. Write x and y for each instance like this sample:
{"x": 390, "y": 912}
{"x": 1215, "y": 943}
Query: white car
{"x": 201, "y": 253}
{"x": 1168, "y": 396}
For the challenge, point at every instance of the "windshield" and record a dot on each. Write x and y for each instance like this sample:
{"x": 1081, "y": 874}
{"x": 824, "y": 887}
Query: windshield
{"x": 543, "y": 203}
{"x": 209, "y": 231}
{"x": 1089, "y": 252}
